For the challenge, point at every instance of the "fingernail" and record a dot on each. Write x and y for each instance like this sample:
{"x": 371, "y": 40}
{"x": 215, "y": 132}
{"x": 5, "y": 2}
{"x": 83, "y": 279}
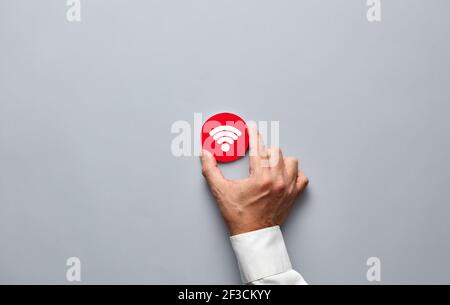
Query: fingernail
{"x": 252, "y": 125}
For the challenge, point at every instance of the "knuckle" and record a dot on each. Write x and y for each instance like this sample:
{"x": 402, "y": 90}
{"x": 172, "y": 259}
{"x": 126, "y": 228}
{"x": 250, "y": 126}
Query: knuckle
{"x": 279, "y": 187}
{"x": 275, "y": 150}
{"x": 204, "y": 171}
{"x": 291, "y": 160}
{"x": 265, "y": 183}
{"x": 274, "y": 160}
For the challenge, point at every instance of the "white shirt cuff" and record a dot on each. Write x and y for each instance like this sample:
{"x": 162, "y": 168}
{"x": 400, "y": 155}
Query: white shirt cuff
{"x": 261, "y": 254}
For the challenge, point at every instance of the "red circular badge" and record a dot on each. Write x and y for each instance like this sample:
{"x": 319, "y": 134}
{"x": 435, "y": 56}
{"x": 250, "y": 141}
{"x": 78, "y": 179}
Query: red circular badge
{"x": 225, "y": 135}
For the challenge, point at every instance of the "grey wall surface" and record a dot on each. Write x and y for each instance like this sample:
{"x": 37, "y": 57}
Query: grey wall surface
{"x": 86, "y": 109}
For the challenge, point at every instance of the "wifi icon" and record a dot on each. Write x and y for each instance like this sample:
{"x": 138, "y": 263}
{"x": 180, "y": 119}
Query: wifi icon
{"x": 225, "y": 135}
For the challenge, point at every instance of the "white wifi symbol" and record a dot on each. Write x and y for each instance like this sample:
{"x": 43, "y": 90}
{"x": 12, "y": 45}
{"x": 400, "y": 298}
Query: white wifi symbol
{"x": 225, "y": 136}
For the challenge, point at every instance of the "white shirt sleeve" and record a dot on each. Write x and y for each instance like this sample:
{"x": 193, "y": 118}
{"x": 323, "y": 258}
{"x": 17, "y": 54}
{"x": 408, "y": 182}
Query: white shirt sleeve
{"x": 263, "y": 259}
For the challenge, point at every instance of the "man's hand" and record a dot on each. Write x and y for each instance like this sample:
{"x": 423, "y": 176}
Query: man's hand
{"x": 262, "y": 200}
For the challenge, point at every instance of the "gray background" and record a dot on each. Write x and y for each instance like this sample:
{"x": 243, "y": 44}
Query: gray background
{"x": 85, "y": 115}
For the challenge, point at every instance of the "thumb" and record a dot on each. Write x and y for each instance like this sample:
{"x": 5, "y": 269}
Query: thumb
{"x": 210, "y": 170}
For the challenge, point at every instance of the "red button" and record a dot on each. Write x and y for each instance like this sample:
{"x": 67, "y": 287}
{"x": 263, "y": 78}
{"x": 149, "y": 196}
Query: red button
{"x": 225, "y": 135}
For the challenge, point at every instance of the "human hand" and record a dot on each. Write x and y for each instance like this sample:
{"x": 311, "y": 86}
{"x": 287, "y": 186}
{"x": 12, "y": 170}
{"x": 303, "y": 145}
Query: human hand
{"x": 262, "y": 200}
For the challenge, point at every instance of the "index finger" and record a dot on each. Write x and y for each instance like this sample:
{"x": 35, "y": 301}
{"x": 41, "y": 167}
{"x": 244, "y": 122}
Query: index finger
{"x": 258, "y": 150}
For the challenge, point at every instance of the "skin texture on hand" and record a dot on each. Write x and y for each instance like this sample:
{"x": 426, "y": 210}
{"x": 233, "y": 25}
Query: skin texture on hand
{"x": 262, "y": 200}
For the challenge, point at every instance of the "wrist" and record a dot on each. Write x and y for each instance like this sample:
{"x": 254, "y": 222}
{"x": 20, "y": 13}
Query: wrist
{"x": 237, "y": 229}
